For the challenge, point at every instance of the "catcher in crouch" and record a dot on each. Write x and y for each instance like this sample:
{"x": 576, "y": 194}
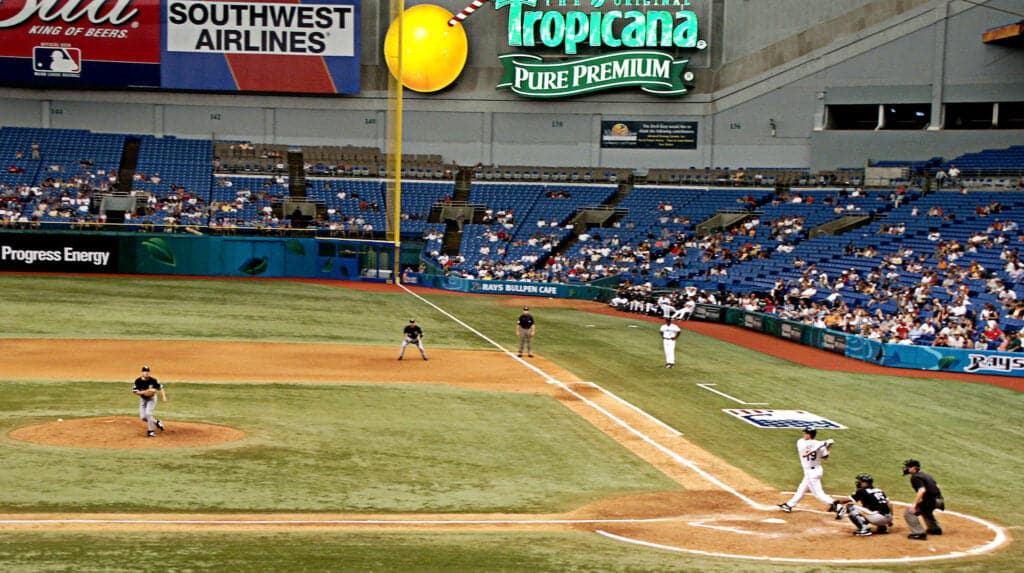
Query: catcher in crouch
{"x": 874, "y": 507}
{"x": 146, "y": 388}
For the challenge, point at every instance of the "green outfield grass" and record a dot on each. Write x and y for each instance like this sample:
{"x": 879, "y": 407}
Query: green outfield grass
{"x": 322, "y": 448}
{"x": 968, "y": 435}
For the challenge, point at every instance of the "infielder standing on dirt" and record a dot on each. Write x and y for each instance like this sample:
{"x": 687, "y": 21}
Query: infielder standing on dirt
{"x": 525, "y": 329}
{"x": 412, "y": 334}
{"x": 812, "y": 452}
{"x": 146, "y": 388}
{"x": 669, "y": 334}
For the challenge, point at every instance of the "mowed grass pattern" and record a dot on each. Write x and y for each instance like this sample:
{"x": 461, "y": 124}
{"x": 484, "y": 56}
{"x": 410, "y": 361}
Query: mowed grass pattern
{"x": 968, "y": 435}
{"x": 322, "y": 448}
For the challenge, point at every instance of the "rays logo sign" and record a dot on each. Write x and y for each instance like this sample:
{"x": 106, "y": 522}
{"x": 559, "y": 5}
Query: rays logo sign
{"x": 635, "y": 36}
{"x": 783, "y": 419}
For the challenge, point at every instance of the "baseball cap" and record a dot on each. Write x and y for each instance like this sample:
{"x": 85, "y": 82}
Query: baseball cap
{"x": 145, "y": 368}
{"x": 411, "y": 320}
{"x": 526, "y": 308}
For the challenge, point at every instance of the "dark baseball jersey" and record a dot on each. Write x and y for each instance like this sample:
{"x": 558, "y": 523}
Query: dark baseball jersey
{"x": 525, "y": 321}
{"x": 873, "y": 499}
{"x": 413, "y": 332}
{"x": 146, "y": 384}
{"x": 920, "y": 479}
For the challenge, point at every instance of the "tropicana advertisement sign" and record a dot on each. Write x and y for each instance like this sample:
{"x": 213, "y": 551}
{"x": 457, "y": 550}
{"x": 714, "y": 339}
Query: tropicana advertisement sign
{"x": 604, "y": 45}
{"x": 634, "y": 34}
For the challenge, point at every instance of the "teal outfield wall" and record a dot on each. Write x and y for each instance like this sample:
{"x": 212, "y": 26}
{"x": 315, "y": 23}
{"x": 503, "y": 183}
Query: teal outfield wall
{"x": 287, "y": 257}
{"x": 177, "y": 254}
{"x": 553, "y": 290}
{"x": 938, "y": 359}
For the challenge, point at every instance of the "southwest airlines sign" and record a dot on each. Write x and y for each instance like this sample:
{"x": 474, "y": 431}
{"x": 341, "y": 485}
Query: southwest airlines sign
{"x": 635, "y": 29}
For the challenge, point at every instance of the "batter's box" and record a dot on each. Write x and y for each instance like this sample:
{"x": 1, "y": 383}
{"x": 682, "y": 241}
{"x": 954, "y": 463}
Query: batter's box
{"x": 789, "y": 419}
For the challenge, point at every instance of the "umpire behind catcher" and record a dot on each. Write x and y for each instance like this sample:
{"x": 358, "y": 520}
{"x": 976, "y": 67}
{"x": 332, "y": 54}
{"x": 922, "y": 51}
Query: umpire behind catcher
{"x": 929, "y": 498}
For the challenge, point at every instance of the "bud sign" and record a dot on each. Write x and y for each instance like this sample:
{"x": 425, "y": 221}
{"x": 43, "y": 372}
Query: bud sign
{"x": 90, "y": 43}
{"x": 310, "y": 46}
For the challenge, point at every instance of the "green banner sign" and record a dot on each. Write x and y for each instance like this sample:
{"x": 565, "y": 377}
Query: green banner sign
{"x": 652, "y": 71}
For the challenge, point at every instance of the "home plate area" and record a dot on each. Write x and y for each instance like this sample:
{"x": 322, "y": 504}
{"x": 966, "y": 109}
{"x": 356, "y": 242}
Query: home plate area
{"x": 731, "y": 528}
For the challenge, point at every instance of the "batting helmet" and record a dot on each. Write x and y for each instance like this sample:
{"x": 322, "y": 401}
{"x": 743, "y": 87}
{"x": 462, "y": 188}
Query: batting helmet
{"x": 911, "y": 463}
{"x": 866, "y": 478}
{"x": 809, "y": 430}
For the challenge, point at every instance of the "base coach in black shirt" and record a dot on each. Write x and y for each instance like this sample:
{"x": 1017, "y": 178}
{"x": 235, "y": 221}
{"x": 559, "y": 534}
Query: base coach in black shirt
{"x": 525, "y": 329}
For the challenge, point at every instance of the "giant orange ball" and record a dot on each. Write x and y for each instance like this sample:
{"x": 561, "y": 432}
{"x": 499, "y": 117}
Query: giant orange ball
{"x": 433, "y": 53}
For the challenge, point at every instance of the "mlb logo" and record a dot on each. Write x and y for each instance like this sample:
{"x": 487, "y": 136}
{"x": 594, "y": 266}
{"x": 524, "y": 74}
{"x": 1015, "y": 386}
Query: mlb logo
{"x": 789, "y": 419}
{"x": 56, "y": 60}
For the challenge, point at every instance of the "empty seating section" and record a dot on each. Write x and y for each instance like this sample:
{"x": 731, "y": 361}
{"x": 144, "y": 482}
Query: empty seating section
{"x": 993, "y": 161}
{"x": 523, "y": 221}
{"x": 418, "y": 199}
{"x": 753, "y": 176}
{"x": 552, "y": 174}
{"x": 245, "y": 157}
{"x": 176, "y": 176}
{"x": 352, "y": 204}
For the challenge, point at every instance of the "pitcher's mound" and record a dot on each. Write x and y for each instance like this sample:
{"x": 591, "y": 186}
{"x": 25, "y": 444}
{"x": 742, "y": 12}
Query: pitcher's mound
{"x": 122, "y": 432}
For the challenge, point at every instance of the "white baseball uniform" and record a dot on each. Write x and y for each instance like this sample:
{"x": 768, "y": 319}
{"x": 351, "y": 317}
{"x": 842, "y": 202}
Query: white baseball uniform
{"x": 812, "y": 453}
{"x": 669, "y": 332}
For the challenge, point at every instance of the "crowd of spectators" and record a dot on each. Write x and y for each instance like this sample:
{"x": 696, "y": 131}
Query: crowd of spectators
{"x": 936, "y": 307}
{"x": 910, "y": 296}
{"x": 952, "y": 325}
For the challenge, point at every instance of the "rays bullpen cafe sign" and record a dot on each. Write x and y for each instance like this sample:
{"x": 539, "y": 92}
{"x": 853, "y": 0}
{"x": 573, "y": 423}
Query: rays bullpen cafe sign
{"x": 634, "y": 34}
{"x": 285, "y": 46}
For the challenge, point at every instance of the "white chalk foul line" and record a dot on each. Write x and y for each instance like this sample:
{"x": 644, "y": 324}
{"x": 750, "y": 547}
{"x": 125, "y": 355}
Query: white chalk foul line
{"x": 622, "y": 423}
{"x": 721, "y": 528}
{"x": 431, "y": 522}
{"x": 709, "y": 389}
{"x": 672, "y": 432}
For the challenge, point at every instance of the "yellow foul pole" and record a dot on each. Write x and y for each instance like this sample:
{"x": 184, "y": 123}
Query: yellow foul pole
{"x": 394, "y": 144}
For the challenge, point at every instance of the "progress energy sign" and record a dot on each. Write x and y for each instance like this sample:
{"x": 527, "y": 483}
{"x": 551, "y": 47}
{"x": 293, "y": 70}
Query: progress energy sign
{"x": 633, "y": 39}
{"x": 307, "y": 46}
{"x": 649, "y": 134}
{"x": 51, "y": 253}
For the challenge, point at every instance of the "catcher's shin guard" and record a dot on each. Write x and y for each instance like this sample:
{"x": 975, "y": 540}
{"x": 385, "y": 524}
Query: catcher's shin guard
{"x": 858, "y": 520}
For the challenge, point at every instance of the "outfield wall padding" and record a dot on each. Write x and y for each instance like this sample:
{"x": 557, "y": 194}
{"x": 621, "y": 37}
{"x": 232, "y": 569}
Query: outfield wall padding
{"x": 939, "y": 359}
{"x": 170, "y": 254}
{"x": 518, "y": 288}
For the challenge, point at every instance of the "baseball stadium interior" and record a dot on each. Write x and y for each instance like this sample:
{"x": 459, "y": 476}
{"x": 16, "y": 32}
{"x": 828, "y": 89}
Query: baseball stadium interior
{"x": 854, "y": 165}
